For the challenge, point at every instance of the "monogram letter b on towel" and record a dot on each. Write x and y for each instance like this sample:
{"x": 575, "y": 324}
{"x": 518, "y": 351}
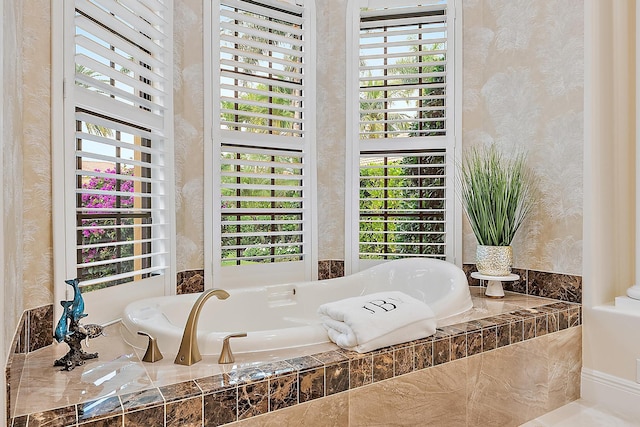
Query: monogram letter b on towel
{"x": 381, "y": 304}
{"x": 369, "y": 322}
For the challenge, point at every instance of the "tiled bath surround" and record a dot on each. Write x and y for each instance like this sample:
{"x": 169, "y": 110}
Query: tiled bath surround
{"x": 563, "y": 287}
{"x": 533, "y": 352}
{"x": 189, "y": 282}
{"x": 192, "y": 281}
{"x": 34, "y": 330}
{"x": 330, "y": 269}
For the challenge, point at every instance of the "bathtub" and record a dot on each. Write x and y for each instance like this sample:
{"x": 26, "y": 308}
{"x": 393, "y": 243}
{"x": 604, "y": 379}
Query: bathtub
{"x": 284, "y": 316}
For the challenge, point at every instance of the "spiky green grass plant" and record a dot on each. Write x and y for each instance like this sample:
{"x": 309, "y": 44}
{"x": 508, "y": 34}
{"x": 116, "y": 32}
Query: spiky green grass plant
{"x": 496, "y": 193}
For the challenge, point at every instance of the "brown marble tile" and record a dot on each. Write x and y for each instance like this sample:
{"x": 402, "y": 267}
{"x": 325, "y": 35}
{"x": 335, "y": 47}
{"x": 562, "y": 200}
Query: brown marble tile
{"x": 519, "y": 285}
{"x": 253, "y": 399}
{"x": 151, "y": 416}
{"x": 115, "y": 421}
{"x": 517, "y": 332}
{"x": 141, "y": 400}
{"x": 20, "y": 421}
{"x": 423, "y": 355}
{"x": 180, "y": 391}
{"x": 553, "y": 322}
{"x": 474, "y": 342}
{"x": 383, "y": 365}
{"x": 40, "y": 327}
{"x": 62, "y": 417}
{"x": 221, "y": 407}
{"x": 503, "y": 335}
{"x": 101, "y": 408}
{"x": 184, "y": 413}
{"x": 403, "y": 360}
{"x": 541, "y": 325}
{"x": 458, "y": 346}
{"x": 283, "y": 392}
{"x": 311, "y": 384}
{"x": 489, "y": 338}
{"x": 529, "y": 328}
{"x": 441, "y": 351}
{"x": 324, "y": 269}
{"x": 557, "y": 286}
{"x": 575, "y": 318}
{"x": 190, "y": 282}
{"x": 468, "y": 269}
{"x": 337, "y": 377}
{"x": 360, "y": 371}
{"x": 337, "y": 268}
{"x": 563, "y": 319}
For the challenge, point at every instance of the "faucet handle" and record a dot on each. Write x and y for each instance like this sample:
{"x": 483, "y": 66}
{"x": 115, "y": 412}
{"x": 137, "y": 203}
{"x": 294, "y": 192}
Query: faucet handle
{"x": 153, "y": 352}
{"x": 226, "y": 356}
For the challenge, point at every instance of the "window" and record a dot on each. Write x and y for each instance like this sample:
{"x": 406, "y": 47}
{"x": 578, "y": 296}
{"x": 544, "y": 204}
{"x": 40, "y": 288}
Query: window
{"x": 402, "y": 146}
{"x": 262, "y": 220}
{"x": 117, "y": 144}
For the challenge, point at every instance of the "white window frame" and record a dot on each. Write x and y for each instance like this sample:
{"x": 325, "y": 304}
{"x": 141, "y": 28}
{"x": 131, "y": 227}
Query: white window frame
{"x": 237, "y": 276}
{"x": 105, "y": 305}
{"x": 353, "y": 263}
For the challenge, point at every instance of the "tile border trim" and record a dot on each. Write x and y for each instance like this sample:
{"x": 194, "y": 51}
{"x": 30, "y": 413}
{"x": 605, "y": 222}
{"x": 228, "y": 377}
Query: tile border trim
{"x": 249, "y": 391}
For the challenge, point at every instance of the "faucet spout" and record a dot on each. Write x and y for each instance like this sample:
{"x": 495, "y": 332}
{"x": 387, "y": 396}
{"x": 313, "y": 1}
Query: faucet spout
{"x": 189, "y": 352}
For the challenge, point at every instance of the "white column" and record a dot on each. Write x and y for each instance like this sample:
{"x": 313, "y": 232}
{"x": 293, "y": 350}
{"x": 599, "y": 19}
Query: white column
{"x": 634, "y": 291}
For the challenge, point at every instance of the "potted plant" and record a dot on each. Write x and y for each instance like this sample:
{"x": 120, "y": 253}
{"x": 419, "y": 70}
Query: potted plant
{"x": 497, "y": 196}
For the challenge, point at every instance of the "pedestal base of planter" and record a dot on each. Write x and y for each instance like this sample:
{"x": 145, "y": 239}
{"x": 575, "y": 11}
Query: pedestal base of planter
{"x": 494, "y": 283}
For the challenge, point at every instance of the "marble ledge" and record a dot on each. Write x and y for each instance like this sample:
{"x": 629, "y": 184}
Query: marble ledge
{"x": 255, "y": 388}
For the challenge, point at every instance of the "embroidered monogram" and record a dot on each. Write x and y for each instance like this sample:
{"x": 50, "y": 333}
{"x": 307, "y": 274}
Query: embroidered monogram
{"x": 382, "y": 305}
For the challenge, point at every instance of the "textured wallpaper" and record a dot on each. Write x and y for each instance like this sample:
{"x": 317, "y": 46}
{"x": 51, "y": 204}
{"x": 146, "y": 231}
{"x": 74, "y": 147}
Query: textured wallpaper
{"x": 523, "y": 89}
{"x": 188, "y": 95}
{"x": 37, "y": 256}
{"x": 331, "y": 126}
{"x": 11, "y": 134}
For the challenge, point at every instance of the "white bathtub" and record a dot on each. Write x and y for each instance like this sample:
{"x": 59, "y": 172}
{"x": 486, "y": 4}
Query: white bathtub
{"x": 284, "y": 316}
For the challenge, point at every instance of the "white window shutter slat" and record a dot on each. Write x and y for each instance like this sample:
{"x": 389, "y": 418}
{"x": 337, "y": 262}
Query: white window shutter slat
{"x": 403, "y": 179}
{"x": 120, "y": 149}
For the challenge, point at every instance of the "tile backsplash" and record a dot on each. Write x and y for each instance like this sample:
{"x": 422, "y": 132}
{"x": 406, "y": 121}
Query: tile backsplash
{"x": 563, "y": 287}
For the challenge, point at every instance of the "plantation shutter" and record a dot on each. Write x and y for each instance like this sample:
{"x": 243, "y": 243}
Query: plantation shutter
{"x": 263, "y": 142}
{"x": 403, "y": 52}
{"x": 120, "y": 93}
{"x": 405, "y": 184}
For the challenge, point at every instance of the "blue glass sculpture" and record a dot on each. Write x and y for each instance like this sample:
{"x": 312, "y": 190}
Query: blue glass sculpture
{"x": 70, "y": 331}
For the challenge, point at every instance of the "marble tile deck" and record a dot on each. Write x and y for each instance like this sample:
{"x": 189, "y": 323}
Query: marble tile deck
{"x": 262, "y": 382}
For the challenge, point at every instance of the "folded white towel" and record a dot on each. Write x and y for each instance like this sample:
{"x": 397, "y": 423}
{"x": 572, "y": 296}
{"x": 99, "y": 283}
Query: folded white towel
{"x": 373, "y": 321}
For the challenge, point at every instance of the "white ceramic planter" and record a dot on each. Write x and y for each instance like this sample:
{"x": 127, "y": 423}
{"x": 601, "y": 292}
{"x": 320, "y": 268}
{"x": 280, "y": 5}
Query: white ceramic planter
{"x": 494, "y": 260}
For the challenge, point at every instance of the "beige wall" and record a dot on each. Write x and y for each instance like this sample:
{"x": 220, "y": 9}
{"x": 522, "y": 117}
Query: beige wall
{"x": 189, "y": 133}
{"x": 12, "y": 146}
{"x": 516, "y": 93}
{"x": 523, "y": 90}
